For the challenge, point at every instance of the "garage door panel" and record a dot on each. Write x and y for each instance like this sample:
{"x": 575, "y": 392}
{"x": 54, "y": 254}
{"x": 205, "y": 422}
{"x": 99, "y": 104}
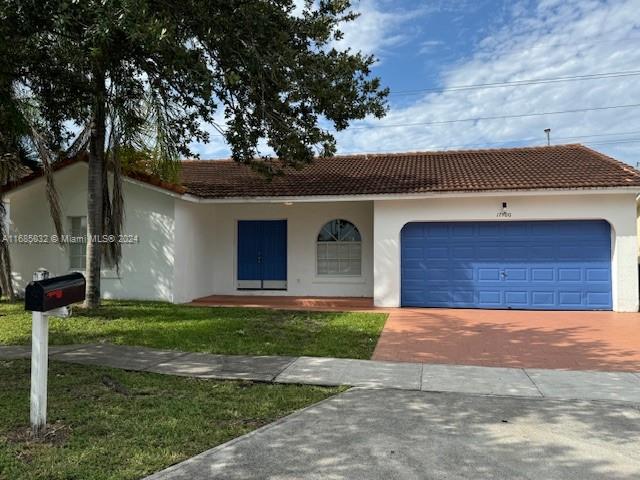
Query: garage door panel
{"x": 462, "y": 297}
{"x": 515, "y": 253}
{"x": 516, "y": 298}
{"x": 438, "y": 296}
{"x": 516, "y": 229}
{"x": 489, "y": 229}
{"x": 515, "y": 274}
{"x": 488, "y": 274}
{"x": 438, "y": 274}
{"x": 463, "y": 253}
{"x": 541, "y": 251}
{"x": 462, "y": 231}
{"x": 543, "y": 299}
{"x": 571, "y": 252}
{"x": 597, "y": 298}
{"x": 462, "y": 274}
{"x": 488, "y": 253}
{"x": 413, "y": 274}
{"x": 528, "y": 265}
{"x": 544, "y": 229}
{"x": 594, "y": 252}
{"x": 570, "y": 299}
{"x": 490, "y": 298}
{"x": 569, "y": 274}
{"x": 436, "y": 230}
{"x": 435, "y": 253}
{"x": 597, "y": 275}
{"x": 414, "y": 296}
{"x": 414, "y": 254}
{"x": 542, "y": 274}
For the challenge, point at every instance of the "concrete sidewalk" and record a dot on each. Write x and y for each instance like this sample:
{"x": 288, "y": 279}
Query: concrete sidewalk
{"x": 520, "y": 382}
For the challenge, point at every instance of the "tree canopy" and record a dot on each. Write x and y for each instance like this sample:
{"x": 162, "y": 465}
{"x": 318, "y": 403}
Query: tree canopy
{"x": 252, "y": 69}
{"x": 120, "y": 77}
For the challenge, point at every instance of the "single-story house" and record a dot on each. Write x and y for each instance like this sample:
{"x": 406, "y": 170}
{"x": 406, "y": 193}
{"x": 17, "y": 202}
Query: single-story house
{"x": 524, "y": 228}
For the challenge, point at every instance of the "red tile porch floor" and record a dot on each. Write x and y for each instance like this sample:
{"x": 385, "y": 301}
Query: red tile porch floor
{"x": 331, "y": 304}
{"x": 495, "y": 338}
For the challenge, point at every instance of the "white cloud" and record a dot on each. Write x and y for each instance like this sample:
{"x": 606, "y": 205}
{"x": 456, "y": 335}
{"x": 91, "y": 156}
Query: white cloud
{"x": 558, "y": 38}
{"x": 381, "y": 25}
{"x": 430, "y": 46}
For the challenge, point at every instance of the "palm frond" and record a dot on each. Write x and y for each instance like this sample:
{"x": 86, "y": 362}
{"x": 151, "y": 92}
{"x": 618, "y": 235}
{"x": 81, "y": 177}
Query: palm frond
{"x": 113, "y": 202}
{"x": 47, "y": 157}
{"x": 41, "y": 145}
{"x": 81, "y": 142}
{"x": 117, "y": 209}
{"x": 164, "y": 145}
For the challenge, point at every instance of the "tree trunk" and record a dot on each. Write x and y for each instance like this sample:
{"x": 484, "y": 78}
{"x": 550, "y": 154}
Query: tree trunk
{"x": 94, "y": 193}
{"x": 6, "y": 280}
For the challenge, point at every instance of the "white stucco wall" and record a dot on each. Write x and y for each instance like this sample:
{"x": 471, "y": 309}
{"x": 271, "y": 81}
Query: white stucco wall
{"x": 304, "y": 220}
{"x": 188, "y": 250}
{"x": 618, "y": 209}
{"x": 147, "y": 267}
{"x": 195, "y": 247}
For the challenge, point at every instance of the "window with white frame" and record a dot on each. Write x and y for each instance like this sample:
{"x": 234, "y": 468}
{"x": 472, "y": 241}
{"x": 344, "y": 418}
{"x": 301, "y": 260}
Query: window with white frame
{"x": 338, "y": 249}
{"x": 78, "y": 249}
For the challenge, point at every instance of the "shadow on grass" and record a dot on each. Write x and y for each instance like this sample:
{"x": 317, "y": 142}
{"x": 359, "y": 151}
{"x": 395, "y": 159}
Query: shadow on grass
{"x": 216, "y": 330}
{"x": 109, "y": 435}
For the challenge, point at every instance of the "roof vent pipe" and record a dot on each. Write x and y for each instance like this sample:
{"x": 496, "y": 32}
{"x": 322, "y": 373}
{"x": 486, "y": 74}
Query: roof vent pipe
{"x": 548, "y": 132}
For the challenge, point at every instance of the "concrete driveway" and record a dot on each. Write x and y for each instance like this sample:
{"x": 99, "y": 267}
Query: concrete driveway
{"x": 507, "y": 338}
{"x": 394, "y": 434}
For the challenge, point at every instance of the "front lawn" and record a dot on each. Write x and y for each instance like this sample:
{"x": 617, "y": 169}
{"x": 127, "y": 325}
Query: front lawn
{"x": 232, "y": 331}
{"x": 113, "y": 424}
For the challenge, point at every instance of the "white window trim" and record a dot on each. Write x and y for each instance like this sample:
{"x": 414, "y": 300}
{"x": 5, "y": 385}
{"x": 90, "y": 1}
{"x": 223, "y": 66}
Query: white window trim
{"x": 106, "y": 273}
{"x": 70, "y": 267}
{"x": 336, "y": 277}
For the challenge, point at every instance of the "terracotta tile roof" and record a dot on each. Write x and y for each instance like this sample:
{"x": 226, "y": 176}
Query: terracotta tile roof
{"x": 562, "y": 166}
{"x": 524, "y": 168}
{"x": 82, "y": 157}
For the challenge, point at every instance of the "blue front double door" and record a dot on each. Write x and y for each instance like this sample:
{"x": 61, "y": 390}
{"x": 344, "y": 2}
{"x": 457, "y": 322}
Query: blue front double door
{"x": 262, "y": 255}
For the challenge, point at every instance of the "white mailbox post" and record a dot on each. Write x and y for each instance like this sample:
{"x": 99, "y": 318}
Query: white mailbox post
{"x": 46, "y": 297}
{"x": 39, "y": 364}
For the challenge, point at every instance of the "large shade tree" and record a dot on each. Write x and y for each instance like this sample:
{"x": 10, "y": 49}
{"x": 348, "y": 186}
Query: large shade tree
{"x": 24, "y": 144}
{"x": 152, "y": 76}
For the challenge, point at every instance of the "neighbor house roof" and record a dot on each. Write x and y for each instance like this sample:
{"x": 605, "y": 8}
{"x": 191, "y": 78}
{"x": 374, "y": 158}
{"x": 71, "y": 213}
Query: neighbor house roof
{"x": 562, "y": 166}
{"x": 523, "y": 168}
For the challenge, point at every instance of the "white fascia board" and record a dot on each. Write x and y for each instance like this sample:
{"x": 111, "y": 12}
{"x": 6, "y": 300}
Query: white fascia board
{"x": 133, "y": 181}
{"x": 416, "y": 196}
{"x": 155, "y": 188}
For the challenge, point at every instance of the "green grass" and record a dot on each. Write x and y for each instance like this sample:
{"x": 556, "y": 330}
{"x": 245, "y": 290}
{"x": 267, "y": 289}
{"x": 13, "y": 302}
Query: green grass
{"x": 101, "y": 434}
{"x": 233, "y": 331}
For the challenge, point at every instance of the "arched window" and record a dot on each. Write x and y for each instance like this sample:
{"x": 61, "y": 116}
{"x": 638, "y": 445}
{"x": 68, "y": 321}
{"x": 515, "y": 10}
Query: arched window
{"x": 338, "y": 249}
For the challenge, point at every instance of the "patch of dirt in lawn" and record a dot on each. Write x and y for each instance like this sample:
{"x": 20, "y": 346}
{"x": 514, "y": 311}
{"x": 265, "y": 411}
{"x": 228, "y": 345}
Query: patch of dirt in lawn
{"x": 55, "y": 435}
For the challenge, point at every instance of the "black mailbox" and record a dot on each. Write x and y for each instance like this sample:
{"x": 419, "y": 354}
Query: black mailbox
{"x": 55, "y": 292}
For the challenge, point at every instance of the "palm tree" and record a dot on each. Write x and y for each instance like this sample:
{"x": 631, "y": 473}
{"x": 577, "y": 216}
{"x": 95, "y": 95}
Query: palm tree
{"x": 23, "y": 150}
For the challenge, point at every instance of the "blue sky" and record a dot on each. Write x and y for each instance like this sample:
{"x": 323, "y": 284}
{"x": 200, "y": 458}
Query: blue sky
{"x": 442, "y": 44}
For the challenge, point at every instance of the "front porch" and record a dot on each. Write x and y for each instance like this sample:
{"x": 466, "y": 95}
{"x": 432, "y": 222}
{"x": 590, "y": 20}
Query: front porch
{"x": 283, "y": 302}
{"x": 275, "y": 249}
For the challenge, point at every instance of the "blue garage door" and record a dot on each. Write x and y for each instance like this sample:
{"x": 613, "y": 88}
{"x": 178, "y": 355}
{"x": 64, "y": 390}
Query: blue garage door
{"x": 555, "y": 265}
